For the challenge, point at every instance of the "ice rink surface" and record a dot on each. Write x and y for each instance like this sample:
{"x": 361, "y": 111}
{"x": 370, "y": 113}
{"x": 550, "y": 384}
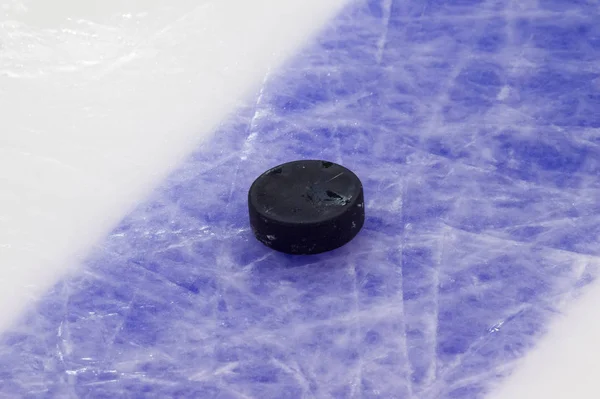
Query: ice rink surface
{"x": 131, "y": 132}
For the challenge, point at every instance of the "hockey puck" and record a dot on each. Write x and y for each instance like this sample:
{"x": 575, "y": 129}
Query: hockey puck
{"x": 306, "y": 207}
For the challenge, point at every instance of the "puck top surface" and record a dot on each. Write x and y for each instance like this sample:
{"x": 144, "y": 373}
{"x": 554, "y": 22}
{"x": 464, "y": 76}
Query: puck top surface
{"x": 305, "y": 192}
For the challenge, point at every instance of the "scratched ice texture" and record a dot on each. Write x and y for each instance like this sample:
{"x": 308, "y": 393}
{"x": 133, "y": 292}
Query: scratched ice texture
{"x": 475, "y": 128}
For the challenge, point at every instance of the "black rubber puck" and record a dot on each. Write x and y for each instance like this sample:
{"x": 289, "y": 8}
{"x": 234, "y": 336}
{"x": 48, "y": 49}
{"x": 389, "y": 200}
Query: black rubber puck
{"x": 306, "y": 207}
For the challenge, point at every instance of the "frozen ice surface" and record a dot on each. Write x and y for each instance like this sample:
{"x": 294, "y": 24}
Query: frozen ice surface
{"x": 100, "y": 100}
{"x": 473, "y": 126}
{"x": 563, "y": 365}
